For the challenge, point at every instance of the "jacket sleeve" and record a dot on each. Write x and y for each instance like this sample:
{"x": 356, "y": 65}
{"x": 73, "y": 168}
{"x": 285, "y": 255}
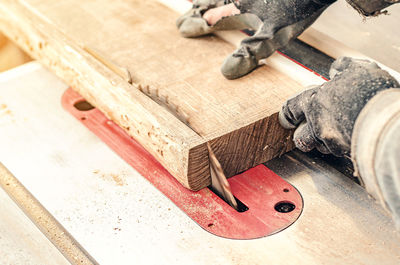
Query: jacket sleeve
{"x": 376, "y": 149}
{"x": 371, "y": 7}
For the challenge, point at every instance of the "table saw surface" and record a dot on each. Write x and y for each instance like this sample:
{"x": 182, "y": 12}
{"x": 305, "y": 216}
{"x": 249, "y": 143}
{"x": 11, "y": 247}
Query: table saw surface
{"x": 120, "y": 218}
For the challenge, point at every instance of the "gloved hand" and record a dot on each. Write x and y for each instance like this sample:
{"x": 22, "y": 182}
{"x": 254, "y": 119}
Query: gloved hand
{"x": 276, "y": 22}
{"x": 325, "y": 115}
{"x": 208, "y": 16}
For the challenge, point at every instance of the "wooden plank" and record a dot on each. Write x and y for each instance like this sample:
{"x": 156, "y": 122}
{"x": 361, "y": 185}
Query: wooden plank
{"x": 182, "y": 101}
{"x": 170, "y": 138}
{"x": 10, "y": 55}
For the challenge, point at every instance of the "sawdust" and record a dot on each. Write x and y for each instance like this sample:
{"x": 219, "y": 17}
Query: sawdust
{"x": 4, "y": 110}
{"x": 118, "y": 179}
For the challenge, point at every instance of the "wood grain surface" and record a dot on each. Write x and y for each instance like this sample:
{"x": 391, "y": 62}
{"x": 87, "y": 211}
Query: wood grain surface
{"x": 10, "y": 55}
{"x": 178, "y": 100}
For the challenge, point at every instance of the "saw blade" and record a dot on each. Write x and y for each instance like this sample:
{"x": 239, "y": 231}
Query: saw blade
{"x": 219, "y": 183}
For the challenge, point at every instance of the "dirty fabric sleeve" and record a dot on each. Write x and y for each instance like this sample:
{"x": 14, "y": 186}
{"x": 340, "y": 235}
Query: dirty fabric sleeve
{"x": 290, "y": 11}
{"x": 364, "y": 7}
{"x": 371, "y": 7}
{"x": 376, "y": 149}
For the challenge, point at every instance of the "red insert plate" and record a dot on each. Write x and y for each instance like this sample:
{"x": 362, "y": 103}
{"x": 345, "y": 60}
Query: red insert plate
{"x": 273, "y": 203}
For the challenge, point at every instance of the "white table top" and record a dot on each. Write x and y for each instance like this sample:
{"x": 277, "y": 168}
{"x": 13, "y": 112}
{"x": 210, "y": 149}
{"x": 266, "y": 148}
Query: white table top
{"x": 120, "y": 218}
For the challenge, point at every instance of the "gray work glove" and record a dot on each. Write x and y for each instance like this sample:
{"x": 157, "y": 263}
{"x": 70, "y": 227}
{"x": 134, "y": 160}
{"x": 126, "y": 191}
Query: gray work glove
{"x": 276, "y": 22}
{"x": 325, "y": 115}
{"x": 192, "y": 24}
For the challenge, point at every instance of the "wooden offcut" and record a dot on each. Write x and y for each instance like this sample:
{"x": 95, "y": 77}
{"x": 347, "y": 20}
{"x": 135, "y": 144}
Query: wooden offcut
{"x": 178, "y": 100}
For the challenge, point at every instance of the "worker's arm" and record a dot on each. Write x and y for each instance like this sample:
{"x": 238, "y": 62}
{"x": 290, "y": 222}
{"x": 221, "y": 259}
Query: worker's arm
{"x": 357, "y": 113}
{"x": 275, "y": 22}
{"x": 371, "y": 7}
{"x": 376, "y": 149}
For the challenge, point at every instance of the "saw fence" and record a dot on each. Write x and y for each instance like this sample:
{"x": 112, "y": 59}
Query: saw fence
{"x": 127, "y": 59}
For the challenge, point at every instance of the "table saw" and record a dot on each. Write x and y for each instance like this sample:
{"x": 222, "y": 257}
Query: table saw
{"x": 78, "y": 197}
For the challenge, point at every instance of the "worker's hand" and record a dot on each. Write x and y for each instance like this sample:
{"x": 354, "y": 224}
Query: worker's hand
{"x": 325, "y": 115}
{"x": 276, "y": 22}
{"x": 204, "y": 14}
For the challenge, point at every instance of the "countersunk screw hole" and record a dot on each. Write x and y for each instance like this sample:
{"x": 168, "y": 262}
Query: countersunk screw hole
{"x": 285, "y": 190}
{"x": 83, "y": 105}
{"x": 284, "y": 207}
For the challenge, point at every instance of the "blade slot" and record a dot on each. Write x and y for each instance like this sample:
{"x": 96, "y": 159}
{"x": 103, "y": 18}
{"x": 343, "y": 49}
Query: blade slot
{"x": 241, "y": 207}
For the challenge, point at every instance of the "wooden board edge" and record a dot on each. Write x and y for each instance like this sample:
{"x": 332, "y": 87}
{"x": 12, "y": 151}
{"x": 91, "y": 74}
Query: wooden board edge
{"x": 189, "y": 164}
{"x": 258, "y": 143}
{"x": 162, "y": 134}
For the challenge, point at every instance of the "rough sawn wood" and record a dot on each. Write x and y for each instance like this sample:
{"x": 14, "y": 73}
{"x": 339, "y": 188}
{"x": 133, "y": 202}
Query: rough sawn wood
{"x": 178, "y": 100}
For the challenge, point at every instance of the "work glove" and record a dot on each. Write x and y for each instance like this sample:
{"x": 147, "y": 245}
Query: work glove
{"x": 275, "y": 23}
{"x": 325, "y": 115}
{"x": 192, "y": 24}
